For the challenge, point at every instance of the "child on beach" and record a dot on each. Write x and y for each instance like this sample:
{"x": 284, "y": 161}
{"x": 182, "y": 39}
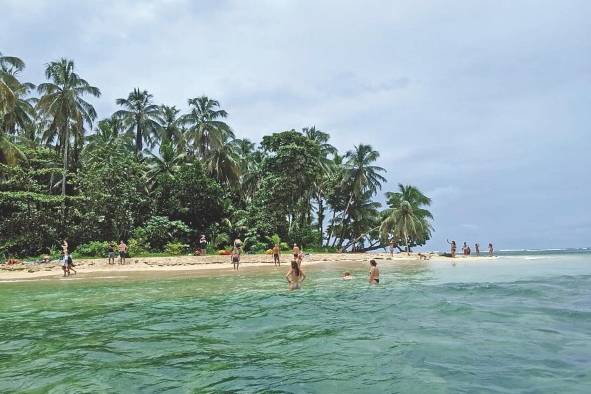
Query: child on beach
{"x": 374, "y": 273}
{"x": 236, "y": 257}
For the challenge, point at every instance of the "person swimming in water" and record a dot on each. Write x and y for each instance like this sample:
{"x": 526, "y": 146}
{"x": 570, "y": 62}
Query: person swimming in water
{"x": 374, "y": 273}
{"x": 347, "y": 276}
{"x": 295, "y": 276}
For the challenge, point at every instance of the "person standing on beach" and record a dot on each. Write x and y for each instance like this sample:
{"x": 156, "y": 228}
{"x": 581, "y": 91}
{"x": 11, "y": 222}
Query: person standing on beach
{"x": 122, "y": 252}
{"x": 237, "y": 243}
{"x": 392, "y": 248}
{"x": 203, "y": 245}
{"x": 295, "y": 276}
{"x": 453, "y": 248}
{"x": 111, "y": 253}
{"x": 374, "y": 273}
{"x": 465, "y": 249}
{"x": 65, "y": 246}
{"x": 64, "y": 260}
{"x": 276, "y": 253}
{"x": 490, "y": 249}
{"x": 236, "y": 257}
{"x": 71, "y": 264}
{"x": 477, "y": 248}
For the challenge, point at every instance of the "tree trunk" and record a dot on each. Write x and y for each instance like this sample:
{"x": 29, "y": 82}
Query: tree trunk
{"x": 64, "y": 175}
{"x": 138, "y": 140}
{"x": 321, "y": 219}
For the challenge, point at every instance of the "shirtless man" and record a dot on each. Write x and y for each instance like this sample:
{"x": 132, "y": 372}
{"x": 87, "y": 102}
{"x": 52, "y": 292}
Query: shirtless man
{"x": 122, "y": 252}
{"x": 276, "y": 253}
{"x": 374, "y": 273}
{"x": 236, "y": 257}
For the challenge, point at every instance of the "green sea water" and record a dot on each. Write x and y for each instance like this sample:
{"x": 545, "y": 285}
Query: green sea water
{"x": 519, "y": 324}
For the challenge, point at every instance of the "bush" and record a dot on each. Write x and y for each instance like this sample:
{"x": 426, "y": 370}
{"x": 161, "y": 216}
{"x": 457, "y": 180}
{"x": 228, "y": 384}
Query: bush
{"x": 176, "y": 248}
{"x": 136, "y": 247}
{"x": 92, "y": 249}
{"x": 258, "y": 247}
{"x": 221, "y": 240}
{"x": 160, "y": 230}
{"x": 284, "y": 246}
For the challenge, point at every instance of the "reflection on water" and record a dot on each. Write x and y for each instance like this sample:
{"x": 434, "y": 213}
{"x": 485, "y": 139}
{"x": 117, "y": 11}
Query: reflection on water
{"x": 511, "y": 325}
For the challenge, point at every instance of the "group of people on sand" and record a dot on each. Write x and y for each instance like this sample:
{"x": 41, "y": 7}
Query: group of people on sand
{"x": 466, "y": 251}
{"x": 121, "y": 248}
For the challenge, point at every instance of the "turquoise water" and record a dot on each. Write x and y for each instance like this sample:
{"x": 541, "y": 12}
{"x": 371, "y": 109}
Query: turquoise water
{"x": 518, "y": 324}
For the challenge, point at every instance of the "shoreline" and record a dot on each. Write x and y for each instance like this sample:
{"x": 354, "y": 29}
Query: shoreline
{"x": 200, "y": 265}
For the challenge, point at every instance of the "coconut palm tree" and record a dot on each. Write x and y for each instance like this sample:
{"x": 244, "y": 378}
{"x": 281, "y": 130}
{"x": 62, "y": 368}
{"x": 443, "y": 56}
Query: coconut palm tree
{"x": 403, "y": 223}
{"x": 223, "y": 164}
{"x": 15, "y": 110}
{"x": 9, "y": 66}
{"x": 63, "y": 104}
{"x": 207, "y": 131}
{"x": 166, "y": 164}
{"x": 419, "y": 203}
{"x": 141, "y": 116}
{"x": 171, "y": 130}
{"x": 360, "y": 176}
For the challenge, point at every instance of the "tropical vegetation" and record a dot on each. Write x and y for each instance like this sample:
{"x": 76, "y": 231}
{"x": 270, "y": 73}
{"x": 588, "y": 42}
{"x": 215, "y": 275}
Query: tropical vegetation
{"x": 159, "y": 176}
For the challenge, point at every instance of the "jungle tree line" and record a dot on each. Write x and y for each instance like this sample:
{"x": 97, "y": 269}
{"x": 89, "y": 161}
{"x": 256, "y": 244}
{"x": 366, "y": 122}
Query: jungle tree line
{"x": 66, "y": 174}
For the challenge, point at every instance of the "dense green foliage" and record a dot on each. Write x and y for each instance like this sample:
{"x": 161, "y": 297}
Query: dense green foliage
{"x": 158, "y": 178}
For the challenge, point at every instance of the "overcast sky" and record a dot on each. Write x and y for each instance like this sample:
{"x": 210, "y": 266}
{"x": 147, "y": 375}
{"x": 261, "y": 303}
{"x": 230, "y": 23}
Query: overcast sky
{"x": 484, "y": 105}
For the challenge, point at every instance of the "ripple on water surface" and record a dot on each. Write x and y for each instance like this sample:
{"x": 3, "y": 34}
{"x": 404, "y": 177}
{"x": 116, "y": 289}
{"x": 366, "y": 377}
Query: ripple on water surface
{"x": 424, "y": 329}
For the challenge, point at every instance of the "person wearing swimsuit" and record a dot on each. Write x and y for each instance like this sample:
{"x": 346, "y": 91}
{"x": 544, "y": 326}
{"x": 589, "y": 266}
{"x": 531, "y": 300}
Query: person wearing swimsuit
{"x": 276, "y": 253}
{"x": 236, "y": 257}
{"x": 374, "y": 273}
{"x": 295, "y": 276}
{"x": 490, "y": 249}
{"x": 453, "y": 248}
{"x": 296, "y": 251}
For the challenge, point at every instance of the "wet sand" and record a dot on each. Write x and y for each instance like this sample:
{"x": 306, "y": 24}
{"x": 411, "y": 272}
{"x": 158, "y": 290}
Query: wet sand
{"x": 213, "y": 265}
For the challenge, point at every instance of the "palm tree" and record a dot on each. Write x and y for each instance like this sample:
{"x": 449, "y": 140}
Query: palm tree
{"x": 166, "y": 164}
{"x": 403, "y": 223}
{"x": 141, "y": 115}
{"x": 9, "y": 66}
{"x": 360, "y": 176}
{"x": 327, "y": 151}
{"x": 172, "y": 130}
{"x": 14, "y": 109}
{"x": 109, "y": 134}
{"x": 418, "y": 201}
{"x": 62, "y": 102}
{"x": 223, "y": 164}
{"x": 206, "y": 129}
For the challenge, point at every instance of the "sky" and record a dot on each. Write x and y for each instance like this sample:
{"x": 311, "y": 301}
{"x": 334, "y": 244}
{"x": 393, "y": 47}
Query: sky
{"x": 483, "y": 105}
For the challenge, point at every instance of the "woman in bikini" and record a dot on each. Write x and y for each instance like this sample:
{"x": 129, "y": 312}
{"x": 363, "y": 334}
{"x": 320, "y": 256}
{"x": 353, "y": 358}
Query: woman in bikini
{"x": 295, "y": 276}
{"x": 374, "y": 273}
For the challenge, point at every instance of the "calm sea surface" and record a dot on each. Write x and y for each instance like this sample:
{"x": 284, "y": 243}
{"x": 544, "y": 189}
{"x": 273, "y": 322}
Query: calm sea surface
{"x": 521, "y": 323}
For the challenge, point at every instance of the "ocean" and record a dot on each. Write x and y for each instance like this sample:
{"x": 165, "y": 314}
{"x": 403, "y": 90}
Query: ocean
{"x": 520, "y": 323}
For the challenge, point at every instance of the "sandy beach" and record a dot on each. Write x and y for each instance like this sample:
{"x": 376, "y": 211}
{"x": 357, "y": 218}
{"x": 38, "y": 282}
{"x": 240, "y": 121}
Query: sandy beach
{"x": 204, "y": 265}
